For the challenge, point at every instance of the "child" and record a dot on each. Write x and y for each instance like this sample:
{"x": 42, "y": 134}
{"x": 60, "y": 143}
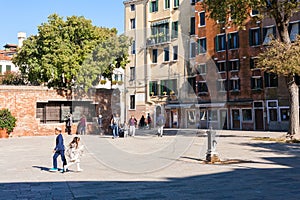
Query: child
{"x": 59, "y": 150}
{"x": 73, "y": 153}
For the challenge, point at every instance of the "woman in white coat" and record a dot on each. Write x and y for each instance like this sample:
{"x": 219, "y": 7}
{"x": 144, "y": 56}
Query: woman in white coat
{"x": 73, "y": 154}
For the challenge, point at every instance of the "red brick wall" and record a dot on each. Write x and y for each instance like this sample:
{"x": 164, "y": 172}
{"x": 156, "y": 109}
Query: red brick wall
{"x": 22, "y": 100}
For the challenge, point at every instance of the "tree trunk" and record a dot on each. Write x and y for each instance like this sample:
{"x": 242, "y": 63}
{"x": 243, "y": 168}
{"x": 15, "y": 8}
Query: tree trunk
{"x": 294, "y": 110}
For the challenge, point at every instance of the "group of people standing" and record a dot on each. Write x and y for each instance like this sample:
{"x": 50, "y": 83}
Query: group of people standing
{"x": 128, "y": 128}
{"x": 81, "y": 127}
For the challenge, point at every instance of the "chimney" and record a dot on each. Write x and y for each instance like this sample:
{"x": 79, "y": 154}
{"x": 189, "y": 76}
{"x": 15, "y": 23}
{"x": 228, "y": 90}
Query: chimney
{"x": 21, "y": 38}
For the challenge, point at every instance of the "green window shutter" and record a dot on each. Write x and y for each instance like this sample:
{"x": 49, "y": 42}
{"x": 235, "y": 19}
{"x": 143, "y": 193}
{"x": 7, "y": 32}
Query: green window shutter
{"x": 216, "y": 43}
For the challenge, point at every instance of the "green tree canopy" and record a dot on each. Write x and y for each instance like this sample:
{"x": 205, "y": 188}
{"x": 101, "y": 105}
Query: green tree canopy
{"x": 56, "y": 55}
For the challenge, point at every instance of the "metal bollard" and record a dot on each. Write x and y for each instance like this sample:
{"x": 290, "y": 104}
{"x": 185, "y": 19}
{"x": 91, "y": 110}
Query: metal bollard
{"x": 211, "y": 154}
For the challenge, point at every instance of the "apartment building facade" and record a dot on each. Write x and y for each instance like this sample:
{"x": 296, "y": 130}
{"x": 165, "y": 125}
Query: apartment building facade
{"x": 155, "y": 77}
{"x": 200, "y": 73}
{"x": 232, "y": 92}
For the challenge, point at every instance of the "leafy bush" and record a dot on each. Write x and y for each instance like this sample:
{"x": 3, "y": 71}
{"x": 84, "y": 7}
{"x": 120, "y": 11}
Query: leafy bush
{"x": 7, "y": 120}
{"x": 12, "y": 78}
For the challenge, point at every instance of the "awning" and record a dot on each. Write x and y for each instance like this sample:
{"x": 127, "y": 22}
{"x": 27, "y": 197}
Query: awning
{"x": 170, "y": 106}
{"x": 206, "y": 105}
{"x": 165, "y": 21}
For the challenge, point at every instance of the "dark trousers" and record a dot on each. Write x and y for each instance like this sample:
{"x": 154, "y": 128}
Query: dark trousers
{"x": 60, "y": 153}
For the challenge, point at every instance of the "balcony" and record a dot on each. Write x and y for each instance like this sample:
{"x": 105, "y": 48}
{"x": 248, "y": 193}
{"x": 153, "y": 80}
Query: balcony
{"x": 158, "y": 39}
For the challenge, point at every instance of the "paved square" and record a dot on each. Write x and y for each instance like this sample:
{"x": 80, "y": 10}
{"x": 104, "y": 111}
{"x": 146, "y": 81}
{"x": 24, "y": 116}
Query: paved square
{"x": 150, "y": 167}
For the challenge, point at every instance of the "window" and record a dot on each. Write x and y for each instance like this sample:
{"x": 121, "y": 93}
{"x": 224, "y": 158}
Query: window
{"x": 269, "y": 33}
{"x": 220, "y": 42}
{"x": 222, "y": 85}
{"x": 254, "y": 36}
{"x": 253, "y": 62}
{"x": 271, "y": 79}
{"x": 132, "y": 7}
{"x": 132, "y": 73}
{"x": 160, "y": 31}
{"x": 202, "y": 87}
{"x": 234, "y": 65}
{"x": 221, "y": 66}
{"x": 193, "y": 50}
{"x": 153, "y": 87}
{"x": 212, "y": 115}
{"x": 254, "y": 12}
{"x": 153, "y": 6}
{"x": 192, "y": 82}
{"x": 133, "y": 47}
{"x": 284, "y": 114}
{"x": 56, "y": 111}
{"x": 167, "y": 4}
{"x": 176, "y": 3}
{"x": 166, "y": 54}
{"x": 233, "y": 40}
{"x": 247, "y": 114}
{"x": 132, "y": 102}
{"x": 168, "y": 85}
{"x": 201, "y": 69}
{"x": 175, "y": 52}
{"x": 116, "y": 77}
{"x": 192, "y": 31}
{"x": 8, "y": 68}
{"x": 294, "y": 30}
{"x": 272, "y": 110}
{"x": 202, "y": 19}
{"x": 201, "y": 45}
{"x": 132, "y": 23}
{"x": 235, "y": 84}
{"x": 175, "y": 30}
{"x": 256, "y": 82}
{"x": 154, "y": 55}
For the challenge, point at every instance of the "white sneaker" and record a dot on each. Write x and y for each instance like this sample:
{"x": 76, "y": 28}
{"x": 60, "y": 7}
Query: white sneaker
{"x": 79, "y": 170}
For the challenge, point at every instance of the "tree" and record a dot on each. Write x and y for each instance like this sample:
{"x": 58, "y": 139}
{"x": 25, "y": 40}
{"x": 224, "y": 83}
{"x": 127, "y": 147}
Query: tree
{"x": 107, "y": 56}
{"x": 236, "y": 12}
{"x": 55, "y": 55}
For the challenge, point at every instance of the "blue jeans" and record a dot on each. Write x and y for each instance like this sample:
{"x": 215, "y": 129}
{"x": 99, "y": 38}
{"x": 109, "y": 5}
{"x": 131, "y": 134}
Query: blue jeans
{"x": 115, "y": 130}
{"x": 62, "y": 155}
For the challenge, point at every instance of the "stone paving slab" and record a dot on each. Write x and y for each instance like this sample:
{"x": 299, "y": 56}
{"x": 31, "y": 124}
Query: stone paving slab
{"x": 150, "y": 167}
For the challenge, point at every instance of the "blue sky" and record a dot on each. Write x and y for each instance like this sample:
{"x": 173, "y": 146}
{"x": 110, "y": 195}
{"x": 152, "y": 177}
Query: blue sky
{"x": 26, "y": 15}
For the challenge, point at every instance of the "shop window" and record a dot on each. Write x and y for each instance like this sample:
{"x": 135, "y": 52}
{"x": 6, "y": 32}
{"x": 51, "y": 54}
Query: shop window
{"x": 247, "y": 114}
{"x": 284, "y": 114}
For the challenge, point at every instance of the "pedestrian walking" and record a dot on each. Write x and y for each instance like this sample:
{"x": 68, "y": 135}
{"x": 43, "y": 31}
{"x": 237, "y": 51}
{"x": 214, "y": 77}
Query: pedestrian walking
{"x": 149, "y": 120}
{"x": 73, "y": 154}
{"x": 115, "y": 123}
{"x": 132, "y": 123}
{"x": 142, "y": 122}
{"x": 99, "y": 121}
{"x": 160, "y": 122}
{"x": 69, "y": 122}
{"x": 82, "y": 125}
{"x": 59, "y": 150}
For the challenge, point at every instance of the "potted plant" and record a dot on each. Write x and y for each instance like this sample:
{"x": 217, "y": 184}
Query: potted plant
{"x": 102, "y": 82}
{"x": 7, "y": 122}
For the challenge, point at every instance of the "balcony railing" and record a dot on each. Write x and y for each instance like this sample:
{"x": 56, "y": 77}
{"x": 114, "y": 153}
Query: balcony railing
{"x": 158, "y": 39}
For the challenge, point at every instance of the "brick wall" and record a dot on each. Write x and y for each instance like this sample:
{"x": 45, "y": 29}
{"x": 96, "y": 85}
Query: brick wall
{"x": 22, "y": 100}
